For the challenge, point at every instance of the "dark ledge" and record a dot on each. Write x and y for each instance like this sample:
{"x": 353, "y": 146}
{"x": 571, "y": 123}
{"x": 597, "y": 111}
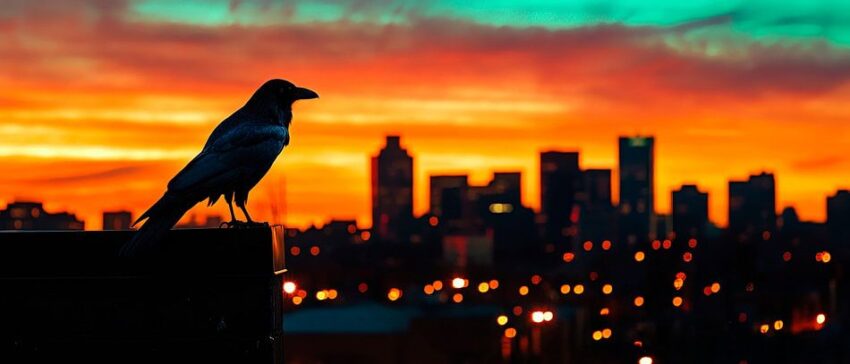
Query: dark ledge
{"x": 210, "y": 295}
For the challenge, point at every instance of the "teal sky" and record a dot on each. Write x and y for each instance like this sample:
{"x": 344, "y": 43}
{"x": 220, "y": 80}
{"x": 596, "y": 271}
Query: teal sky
{"x": 827, "y": 20}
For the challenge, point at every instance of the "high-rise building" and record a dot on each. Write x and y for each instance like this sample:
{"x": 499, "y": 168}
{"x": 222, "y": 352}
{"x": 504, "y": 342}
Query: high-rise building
{"x": 596, "y": 219}
{"x": 392, "y": 192}
{"x": 838, "y": 217}
{"x": 690, "y": 212}
{"x": 448, "y": 196}
{"x": 32, "y": 216}
{"x": 117, "y": 220}
{"x": 752, "y": 206}
{"x": 560, "y": 182}
{"x": 637, "y": 185}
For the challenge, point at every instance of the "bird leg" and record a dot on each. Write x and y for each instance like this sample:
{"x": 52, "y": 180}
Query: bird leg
{"x": 233, "y": 223}
{"x": 248, "y": 217}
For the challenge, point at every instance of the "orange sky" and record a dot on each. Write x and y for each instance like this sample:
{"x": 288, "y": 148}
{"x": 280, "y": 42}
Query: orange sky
{"x": 99, "y": 113}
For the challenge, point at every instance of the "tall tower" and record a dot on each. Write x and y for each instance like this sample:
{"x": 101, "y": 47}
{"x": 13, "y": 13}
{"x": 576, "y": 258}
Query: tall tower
{"x": 392, "y": 192}
{"x": 560, "y": 181}
{"x": 637, "y": 186}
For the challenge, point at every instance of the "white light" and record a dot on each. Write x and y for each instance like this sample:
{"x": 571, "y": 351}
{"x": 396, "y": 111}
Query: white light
{"x": 645, "y": 360}
{"x": 289, "y": 287}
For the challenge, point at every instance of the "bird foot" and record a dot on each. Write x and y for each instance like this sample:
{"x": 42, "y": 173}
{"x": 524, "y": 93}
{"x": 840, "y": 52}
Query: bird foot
{"x": 238, "y": 224}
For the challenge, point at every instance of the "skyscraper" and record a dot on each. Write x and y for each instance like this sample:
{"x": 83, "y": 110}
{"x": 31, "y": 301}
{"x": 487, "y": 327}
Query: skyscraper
{"x": 690, "y": 212}
{"x": 392, "y": 192}
{"x": 838, "y": 217}
{"x": 596, "y": 219}
{"x": 448, "y": 196}
{"x": 637, "y": 185}
{"x": 117, "y": 220}
{"x": 560, "y": 181}
{"x": 752, "y": 206}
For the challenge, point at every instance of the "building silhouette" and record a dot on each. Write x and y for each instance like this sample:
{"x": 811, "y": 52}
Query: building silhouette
{"x": 689, "y": 212}
{"x": 637, "y": 185}
{"x": 838, "y": 217}
{"x": 752, "y": 206}
{"x": 597, "y": 215}
{"x": 32, "y": 216}
{"x": 449, "y": 201}
{"x": 392, "y": 192}
{"x": 117, "y": 220}
{"x": 560, "y": 182}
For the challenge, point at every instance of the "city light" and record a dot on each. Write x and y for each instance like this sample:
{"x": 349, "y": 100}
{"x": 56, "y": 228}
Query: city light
{"x": 457, "y": 298}
{"x": 692, "y": 243}
{"x": 778, "y": 325}
{"x": 294, "y": 251}
{"x": 607, "y": 289}
{"x": 433, "y": 221}
{"x": 568, "y": 257}
{"x": 321, "y": 295}
{"x": 578, "y": 289}
{"x": 677, "y": 301}
{"x": 502, "y": 320}
{"x": 548, "y": 316}
{"x": 296, "y": 300}
{"x": 510, "y": 332}
{"x": 820, "y": 319}
{"x": 458, "y": 283}
{"x": 289, "y": 287}
{"x": 667, "y": 244}
{"x": 715, "y": 287}
{"x": 394, "y": 294}
{"x": 786, "y": 256}
{"x": 606, "y": 245}
{"x": 483, "y": 287}
{"x": 588, "y": 245}
{"x": 536, "y": 279}
{"x": 362, "y": 287}
{"x": 314, "y": 251}
{"x": 656, "y": 245}
{"x": 645, "y": 360}
{"x": 429, "y": 289}
{"x": 604, "y": 311}
{"x": 687, "y": 257}
{"x": 764, "y": 328}
{"x": 678, "y": 283}
{"x": 606, "y": 333}
{"x": 332, "y": 294}
{"x": 597, "y": 335}
{"x": 501, "y": 208}
{"x": 493, "y": 284}
{"x": 537, "y": 316}
{"x": 638, "y": 301}
{"x": 565, "y": 289}
{"x": 523, "y": 290}
{"x": 826, "y": 257}
{"x": 517, "y": 310}
{"x": 639, "y": 256}
{"x": 438, "y": 285}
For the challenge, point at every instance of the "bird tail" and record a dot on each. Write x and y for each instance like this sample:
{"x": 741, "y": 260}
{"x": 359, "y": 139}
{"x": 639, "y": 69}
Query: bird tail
{"x": 161, "y": 217}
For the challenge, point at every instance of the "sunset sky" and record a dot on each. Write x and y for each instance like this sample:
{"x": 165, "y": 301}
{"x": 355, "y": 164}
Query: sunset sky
{"x": 102, "y": 102}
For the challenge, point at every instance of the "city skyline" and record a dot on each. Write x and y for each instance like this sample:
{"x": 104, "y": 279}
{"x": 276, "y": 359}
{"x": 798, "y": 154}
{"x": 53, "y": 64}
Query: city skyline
{"x": 395, "y": 145}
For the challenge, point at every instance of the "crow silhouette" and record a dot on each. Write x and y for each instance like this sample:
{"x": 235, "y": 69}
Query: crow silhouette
{"x": 235, "y": 158}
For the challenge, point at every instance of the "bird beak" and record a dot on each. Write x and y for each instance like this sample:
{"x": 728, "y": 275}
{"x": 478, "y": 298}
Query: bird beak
{"x": 305, "y": 94}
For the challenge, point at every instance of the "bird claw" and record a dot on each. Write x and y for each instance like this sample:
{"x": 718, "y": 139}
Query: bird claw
{"x": 238, "y": 224}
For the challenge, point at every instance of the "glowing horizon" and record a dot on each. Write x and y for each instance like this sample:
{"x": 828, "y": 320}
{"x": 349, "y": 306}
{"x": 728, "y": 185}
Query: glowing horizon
{"x": 101, "y": 103}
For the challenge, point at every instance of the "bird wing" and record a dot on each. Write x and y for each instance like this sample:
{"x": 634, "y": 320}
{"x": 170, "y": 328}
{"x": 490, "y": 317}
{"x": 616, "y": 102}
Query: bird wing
{"x": 220, "y": 164}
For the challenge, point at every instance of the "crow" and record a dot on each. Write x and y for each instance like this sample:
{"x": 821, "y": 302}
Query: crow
{"x": 234, "y": 159}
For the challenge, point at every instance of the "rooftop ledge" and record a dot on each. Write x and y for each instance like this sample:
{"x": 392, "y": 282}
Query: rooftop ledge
{"x": 210, "y": 294}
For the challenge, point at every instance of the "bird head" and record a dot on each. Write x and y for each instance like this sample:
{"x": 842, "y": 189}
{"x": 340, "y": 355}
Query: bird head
{"x": 283, "y": 93}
